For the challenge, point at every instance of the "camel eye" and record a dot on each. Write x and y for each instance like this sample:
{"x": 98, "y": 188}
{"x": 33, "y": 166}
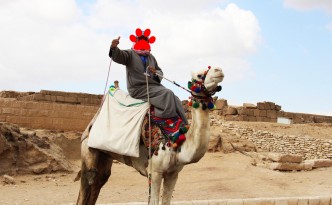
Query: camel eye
{"x": 199, "y": 76}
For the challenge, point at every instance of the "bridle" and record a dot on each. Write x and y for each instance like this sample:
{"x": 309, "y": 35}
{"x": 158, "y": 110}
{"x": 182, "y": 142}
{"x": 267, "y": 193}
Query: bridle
{"x": 200, "y": 94}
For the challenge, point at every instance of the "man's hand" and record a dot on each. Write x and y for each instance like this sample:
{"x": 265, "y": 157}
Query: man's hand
{"x": 115, "y": 42}
{"x": 152, "y": 70}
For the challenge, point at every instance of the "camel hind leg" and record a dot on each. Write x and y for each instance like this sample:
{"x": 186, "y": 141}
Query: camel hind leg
{"x": 95, "y": 171}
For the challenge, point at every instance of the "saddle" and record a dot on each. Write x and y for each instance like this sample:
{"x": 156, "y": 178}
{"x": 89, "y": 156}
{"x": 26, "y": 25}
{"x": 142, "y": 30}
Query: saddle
{"x": 123, "y": 123}
{"x": 168, "y": 131}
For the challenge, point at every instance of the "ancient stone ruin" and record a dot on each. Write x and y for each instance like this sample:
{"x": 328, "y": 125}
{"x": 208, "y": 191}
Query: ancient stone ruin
{"x": 63, "y": 111}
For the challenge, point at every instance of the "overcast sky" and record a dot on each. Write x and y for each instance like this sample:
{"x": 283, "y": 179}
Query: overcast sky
{"x": 276, "y": 50}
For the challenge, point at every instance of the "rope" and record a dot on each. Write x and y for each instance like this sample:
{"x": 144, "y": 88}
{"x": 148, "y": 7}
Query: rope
{"x": 150, "y": 140}
{"x": 173, "y": 82}
{"x": 108, "y": 74}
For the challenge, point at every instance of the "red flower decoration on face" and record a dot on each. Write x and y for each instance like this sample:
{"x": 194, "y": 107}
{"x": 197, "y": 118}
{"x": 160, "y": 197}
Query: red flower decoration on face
{"x": 142, "y": 40}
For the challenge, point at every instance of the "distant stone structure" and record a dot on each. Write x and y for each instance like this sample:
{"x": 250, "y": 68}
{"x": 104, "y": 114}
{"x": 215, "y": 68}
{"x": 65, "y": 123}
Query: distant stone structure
{"x": 51, "y": 110}
{"x": 306, "y": 146}
{"x": 265, "y": 112}
{"x": 68, "y": 111}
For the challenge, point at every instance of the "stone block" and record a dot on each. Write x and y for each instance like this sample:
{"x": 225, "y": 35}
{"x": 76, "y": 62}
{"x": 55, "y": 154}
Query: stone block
{"x": 261, "y": 106}
{"x": 231, "y": 111}
{"x": 256, "y": 112}
{"x": 278, "y": 157}
{"x": 60, "y": 98}
{"x": 277, "y": 107}
{"x": 271, "y": 114}
{"x": 3, "y": 118}
{"x": 17, "y": 104}
{"x": 82, "y": 100}
{"x": 308, "y": 165}
{"x": 38, "y": 97}
{"x": 46, "y": 106}
{"x": 9, "y": 111}
{"x": 243, "y": 118}
{"x": 29, "y": 105}
{"x": 71, "y": 99}
{"x": 53, "y": 98}
{"x": 221, "y": 103}
{"x": 286, "y": 166}
{"x": 6, "y": 102}
{"x": 318, "y": 163}
{"x": 252, "y": 119}
{"x": 259, "y": 119}
{"x": 250, "y": 112}
{"x": 272, "y": 105}
{"x": 249, "y": 106}
{"x": 48, "y": 97}
{"x": 241, "y": 111}
{"x": 262, "y": 113}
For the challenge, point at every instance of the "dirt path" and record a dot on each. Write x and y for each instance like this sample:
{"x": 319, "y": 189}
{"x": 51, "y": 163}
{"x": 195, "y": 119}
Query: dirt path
{"x": 216, "y": 176}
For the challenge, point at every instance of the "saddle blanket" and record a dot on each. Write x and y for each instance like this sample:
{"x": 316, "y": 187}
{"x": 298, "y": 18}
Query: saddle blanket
{"x": 118, "y": 126}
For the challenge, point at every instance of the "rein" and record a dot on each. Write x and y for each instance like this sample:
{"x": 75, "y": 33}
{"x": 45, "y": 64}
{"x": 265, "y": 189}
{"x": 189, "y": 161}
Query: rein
{"x": 150, "y": 140}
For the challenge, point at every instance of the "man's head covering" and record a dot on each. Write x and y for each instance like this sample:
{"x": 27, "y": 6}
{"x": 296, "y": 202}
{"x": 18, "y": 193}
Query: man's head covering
{"x": 142, "y": 41}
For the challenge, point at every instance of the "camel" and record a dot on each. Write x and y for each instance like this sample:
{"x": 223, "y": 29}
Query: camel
{"x": 165, "y": 167}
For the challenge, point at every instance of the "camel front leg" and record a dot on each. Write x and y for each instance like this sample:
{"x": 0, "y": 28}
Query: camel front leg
{"x": 156, "y": 179}
{"x": 169, "y": 184}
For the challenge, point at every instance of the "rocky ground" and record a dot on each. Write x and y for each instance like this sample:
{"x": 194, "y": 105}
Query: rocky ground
{"x": 46, "y": 162}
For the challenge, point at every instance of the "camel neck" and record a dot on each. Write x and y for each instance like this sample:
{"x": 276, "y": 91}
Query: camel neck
{"x": 197, "y": 137}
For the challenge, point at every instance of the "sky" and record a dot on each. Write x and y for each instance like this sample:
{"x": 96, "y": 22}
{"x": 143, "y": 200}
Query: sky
{"x": 278, "y": 50}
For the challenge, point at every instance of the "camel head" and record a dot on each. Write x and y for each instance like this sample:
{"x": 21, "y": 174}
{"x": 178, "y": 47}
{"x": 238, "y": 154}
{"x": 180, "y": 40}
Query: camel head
{"x": 204, "y": 85}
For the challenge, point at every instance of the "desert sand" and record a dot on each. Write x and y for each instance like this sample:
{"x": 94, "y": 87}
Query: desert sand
{"x": 216, "y": 176}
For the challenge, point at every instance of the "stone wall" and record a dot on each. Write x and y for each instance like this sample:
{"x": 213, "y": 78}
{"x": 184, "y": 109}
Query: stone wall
{"x": 264, "y": 112}
{"x": 302, "y": 118}
{"x": 306, "y": 146}
{"x": 53, "y": 110}
{"x": 63, "y": 97}
{"x": 45, "y": 115}
{"x": 73, "y": 111}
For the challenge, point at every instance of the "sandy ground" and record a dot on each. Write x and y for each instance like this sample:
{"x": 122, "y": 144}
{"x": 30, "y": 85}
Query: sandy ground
{"x": 216, "y": 176}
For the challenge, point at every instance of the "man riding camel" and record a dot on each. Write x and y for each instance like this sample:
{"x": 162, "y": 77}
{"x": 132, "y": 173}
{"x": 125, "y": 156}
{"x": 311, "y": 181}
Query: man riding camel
{"x": 137, "y": 59}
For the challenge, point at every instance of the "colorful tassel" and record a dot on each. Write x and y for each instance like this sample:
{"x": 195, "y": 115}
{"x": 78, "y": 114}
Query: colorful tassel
{"x": 175, "y": 136}
{"x": 183, "y": 130}
{"x": 197, "y": 90}
{"x": 195, "y": 105}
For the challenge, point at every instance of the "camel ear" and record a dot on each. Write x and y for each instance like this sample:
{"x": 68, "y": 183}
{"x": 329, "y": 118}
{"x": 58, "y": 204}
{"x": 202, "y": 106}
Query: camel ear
{"x": 152, "y": 39}
{"x": 193, "y": 75}
{"x": 132, "y": 38}
{"x": 147, "y": 32}
{"x": 138, "y": 32}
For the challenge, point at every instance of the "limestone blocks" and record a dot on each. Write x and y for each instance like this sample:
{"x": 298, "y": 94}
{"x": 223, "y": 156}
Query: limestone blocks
{"x": 289, "y": 162}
